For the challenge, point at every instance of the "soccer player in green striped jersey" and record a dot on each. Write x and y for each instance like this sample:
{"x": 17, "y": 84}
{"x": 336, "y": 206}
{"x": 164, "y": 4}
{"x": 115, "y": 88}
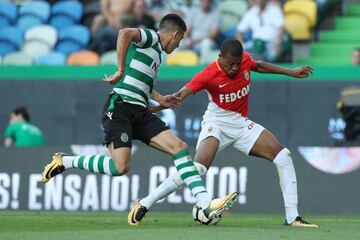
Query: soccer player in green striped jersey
{"x": 126, "y": 116}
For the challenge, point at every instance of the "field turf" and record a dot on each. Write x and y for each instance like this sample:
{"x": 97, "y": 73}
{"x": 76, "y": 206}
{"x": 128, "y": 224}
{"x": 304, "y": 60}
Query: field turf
{"x": 158, "y": 226}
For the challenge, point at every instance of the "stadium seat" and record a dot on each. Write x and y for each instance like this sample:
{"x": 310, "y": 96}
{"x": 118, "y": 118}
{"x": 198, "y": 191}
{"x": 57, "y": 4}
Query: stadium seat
{"x": 36, "y": 48}
{"x": 17, "y": 58}
{"x": 353, "y": 10}
{"x": 183, "y": 58}
{"x": 43, "y": 33}
{"x": 300, "y": 17}
{"x": 347, "y": 23}
{"x": 8, "y": 14}
{"x": 109, "y": 58}
{"x": 83, "y": 58}
{"x": 231, "y": 12}
{"x": 345, "y": 36}
{"x": 52, "y": 58}
{"x": 209, "y": 57}
{"x": 72, "y": 39}
{"x": 66, "y": 13}
{"x": 11, "y": 39}
{"x": 332, "y": 49}
{"x": 32, "y": 14}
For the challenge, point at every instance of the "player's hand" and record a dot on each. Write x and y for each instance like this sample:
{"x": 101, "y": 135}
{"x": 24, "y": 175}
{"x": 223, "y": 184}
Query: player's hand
{"x": 170, "y": 101}
{"x": 112, "y": 79}
{"x": 301, "y": 72}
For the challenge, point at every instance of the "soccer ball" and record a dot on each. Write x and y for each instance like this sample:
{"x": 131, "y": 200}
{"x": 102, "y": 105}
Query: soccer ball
{"x": 199, "y": 216}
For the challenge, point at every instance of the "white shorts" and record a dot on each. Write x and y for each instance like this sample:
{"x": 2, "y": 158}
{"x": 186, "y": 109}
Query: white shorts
{"x": 242, "y": 138}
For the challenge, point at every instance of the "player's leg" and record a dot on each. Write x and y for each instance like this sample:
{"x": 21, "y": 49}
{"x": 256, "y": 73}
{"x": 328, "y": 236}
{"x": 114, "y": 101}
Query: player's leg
{"x": 205, "y": 155}
{"x": 259, "y": 142}
{"x": 118, "y": 139}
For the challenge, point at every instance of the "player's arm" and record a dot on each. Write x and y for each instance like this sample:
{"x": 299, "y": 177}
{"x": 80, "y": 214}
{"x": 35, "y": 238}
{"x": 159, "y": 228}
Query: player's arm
{"x": 177, "y": 98}
{"x": 167, "y": 101}
{"x": 125, "y": 37}
{"x": 299, "y": 72}
{"x": 8, "y": 142}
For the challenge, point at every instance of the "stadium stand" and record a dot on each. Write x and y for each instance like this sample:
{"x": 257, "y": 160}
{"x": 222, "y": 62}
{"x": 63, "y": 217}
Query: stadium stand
{"x": 231, "y": 12}
{"x": 300, "y": 18}
{"x": 52, "y": 58}
{"x": 39, "y": 40}
{"x": 8, "y": 14}
{"x": 183, "y": 58}
{"x": 72, "y": 39}
{"x": 32, "y": 14}
{"x": 339, "y": 42}
{"x": 18, "y": 58}
{"x": 11, "y": 39}
{"x": 66, "y": 13}
{"x": 109, "y": 58}
{"x": 83, "y": 58}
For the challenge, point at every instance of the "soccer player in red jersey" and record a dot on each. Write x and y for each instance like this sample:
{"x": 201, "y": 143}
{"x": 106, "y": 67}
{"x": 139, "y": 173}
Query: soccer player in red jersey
{"x": 225, "y": 123}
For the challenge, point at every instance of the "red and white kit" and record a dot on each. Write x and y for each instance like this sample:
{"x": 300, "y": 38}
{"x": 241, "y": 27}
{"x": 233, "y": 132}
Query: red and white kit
{"x": 227, "y": 111}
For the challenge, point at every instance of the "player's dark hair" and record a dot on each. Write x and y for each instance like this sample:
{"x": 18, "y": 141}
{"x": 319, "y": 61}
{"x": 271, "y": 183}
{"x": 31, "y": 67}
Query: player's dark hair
{"x": 23, "y": 112}
{"x": 172, "y": 21}
{"x": 231, "y": 47}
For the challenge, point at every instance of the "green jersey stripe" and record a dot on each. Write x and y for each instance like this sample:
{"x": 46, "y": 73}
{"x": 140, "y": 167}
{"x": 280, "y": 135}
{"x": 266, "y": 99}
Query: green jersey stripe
{"x": 155, "y": 37}
{"x": 142, "y": 57}
{"x": 149, "y": 39}
{"x": 151, "y": 52}
{"x": 156, "y": 47}
{"x": 136, "y": 83}
{"x": 141, "y": 67}
{"x": 132, "y": 72}
{"x": 134, "y": 90}
{"x": 122, "y": 91}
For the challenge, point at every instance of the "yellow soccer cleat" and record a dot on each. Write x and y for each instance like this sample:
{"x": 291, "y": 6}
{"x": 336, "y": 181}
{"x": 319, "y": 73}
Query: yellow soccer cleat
{"x": 54, "y": 168}
{"x": 299, "y": 222}
{"x": 218, "y": 205}
{"x": 136, "y": 214}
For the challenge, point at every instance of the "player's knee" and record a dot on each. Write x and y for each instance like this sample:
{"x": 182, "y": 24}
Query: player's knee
{"x": 177, "y": 147}
{"x": 122, "y": 169}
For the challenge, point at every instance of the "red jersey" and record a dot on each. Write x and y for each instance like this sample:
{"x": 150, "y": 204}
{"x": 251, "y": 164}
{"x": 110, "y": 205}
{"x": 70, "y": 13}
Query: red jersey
{"x": 229, "y": 94}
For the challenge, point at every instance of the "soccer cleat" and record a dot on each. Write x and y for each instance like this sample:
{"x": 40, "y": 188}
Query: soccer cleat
{"x": 136, "y": 214}
{"x": 299, "y": 222}
{"x": 218, "y": 205}
{"x": 54, "y": 168}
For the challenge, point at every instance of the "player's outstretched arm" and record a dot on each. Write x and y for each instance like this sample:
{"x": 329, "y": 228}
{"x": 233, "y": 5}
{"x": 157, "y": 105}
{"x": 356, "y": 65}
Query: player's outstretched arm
{"x": 167, "y": 101}
{"x": 299, "y": 72}
{"x": 125, "y": 37}
{"x": 175, "y": 99}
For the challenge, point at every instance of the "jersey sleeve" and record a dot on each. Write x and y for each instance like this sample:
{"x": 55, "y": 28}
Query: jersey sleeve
{"x": 198, "y": 82}
{"x": 148, "y": 38}
{"x": 252, "y": 62}
{"x": 9, "y": 132}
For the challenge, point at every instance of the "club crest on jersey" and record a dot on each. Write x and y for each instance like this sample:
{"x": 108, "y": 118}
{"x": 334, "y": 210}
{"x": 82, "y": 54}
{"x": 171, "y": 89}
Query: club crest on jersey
{"x": 246, "y": 75}
{"x": 124, "y": 137}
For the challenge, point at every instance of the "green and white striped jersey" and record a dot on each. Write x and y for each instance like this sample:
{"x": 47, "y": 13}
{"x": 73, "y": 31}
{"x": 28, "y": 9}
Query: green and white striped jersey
{"x": 142, "y": 64}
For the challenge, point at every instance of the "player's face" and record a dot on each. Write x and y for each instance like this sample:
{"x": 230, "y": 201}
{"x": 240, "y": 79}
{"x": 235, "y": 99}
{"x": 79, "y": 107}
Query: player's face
{"x": 174, "y": 42}
{"x": 230, "y": 64}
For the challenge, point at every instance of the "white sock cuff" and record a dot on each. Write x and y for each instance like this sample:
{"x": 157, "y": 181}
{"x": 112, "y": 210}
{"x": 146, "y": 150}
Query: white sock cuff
{"x": 282, "y": 158}
{"x": 68, "y": 161}
{"x": 201, "y": 168}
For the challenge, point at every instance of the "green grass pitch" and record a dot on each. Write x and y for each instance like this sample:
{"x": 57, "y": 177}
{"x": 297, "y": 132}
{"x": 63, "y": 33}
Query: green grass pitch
{"x": 77, "y": 226}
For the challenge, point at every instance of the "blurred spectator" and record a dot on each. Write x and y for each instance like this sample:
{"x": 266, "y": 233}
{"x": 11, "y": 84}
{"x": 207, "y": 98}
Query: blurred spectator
{"x": 159, "y": 8}
{"x": 141, "y": 18}
{"x": 113, "y": 13}
{"x": 204, "y": 28}
{"x": 261, "y": 30}
{"x": 355, "y": 57}
{"x": 20, "y": 132}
